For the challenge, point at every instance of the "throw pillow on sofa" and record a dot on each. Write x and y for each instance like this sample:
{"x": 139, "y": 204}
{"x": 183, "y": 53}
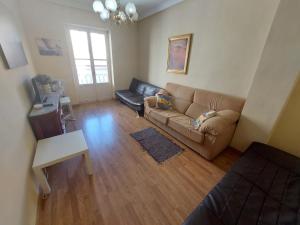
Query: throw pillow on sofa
{"x": 202, "y": 118}
{"x": 162, "y": 92}
{"x": 164, "y": 101}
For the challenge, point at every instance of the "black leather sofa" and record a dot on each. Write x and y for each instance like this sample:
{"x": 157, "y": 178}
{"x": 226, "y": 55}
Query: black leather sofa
{"x": 134, "y": 97}
{"x": 263, "y": 187}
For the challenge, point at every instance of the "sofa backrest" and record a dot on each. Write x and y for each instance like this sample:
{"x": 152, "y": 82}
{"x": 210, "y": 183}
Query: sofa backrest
{"x": 193, "y": 102}
{"x": 204, "y": 101}
{"x": 183, "y": 96}
{"x": 143, "y": 88}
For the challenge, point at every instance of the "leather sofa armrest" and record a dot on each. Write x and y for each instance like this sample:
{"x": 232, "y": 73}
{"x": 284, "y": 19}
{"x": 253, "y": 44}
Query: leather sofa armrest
{"x": 150, "y": 101}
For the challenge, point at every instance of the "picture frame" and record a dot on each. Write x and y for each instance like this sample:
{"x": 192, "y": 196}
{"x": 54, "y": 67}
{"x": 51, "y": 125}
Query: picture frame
{"x": 49, "y": 47}
{"x": 13, "y": 54}
{"x": 179, "y": 53}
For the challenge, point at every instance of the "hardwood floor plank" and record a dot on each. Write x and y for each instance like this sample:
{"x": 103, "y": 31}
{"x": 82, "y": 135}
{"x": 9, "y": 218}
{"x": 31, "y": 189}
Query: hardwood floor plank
{"x": 128, "y": 187}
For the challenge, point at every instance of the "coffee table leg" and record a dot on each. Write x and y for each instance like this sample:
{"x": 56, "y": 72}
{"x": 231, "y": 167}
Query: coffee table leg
{"x": 88, "y": 163}
{"x": 42, "y": 180}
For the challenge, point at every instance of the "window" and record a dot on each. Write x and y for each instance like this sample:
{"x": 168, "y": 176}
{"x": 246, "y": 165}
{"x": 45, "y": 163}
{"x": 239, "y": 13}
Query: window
{"x": 90, "y": 56}
{"x": 100, "y": 57}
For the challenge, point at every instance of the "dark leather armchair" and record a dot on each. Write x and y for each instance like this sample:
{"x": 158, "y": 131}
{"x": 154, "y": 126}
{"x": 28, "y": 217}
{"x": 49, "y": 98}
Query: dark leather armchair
{"x": 134, "y": 97}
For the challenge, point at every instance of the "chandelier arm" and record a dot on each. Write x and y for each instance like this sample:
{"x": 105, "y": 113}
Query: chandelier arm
{"x": 113, "y": 9}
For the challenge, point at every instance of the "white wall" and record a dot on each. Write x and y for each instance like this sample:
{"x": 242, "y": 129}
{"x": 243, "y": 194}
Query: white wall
{"x": 276, "y": 74}
{"x": 229, "y": 37}
{"x": 44, "y": 19}
{"x": 18, "y": 195}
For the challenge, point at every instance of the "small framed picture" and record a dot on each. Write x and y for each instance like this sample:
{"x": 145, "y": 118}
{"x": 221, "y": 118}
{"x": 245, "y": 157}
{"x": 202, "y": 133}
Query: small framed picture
{"x": 178, "y": 53}
{"x": 49, "y": 47}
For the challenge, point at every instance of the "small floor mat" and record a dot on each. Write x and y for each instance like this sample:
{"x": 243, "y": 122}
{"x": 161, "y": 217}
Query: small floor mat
{"x": 156, "y": 144}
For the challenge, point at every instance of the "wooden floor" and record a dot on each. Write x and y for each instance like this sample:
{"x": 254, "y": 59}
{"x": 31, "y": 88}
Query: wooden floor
{"x": 128, "y": 186}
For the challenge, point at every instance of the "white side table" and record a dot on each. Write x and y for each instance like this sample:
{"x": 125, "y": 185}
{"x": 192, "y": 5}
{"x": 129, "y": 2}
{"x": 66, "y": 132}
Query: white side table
{"x": 57, "y": 149}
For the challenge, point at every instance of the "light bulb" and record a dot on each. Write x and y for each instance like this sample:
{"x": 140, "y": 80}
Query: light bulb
{"x": 122, "y": 16}
{"x": 104, "y": 15}
{"x": 130, "y": 9}
{"x": 111, "y": 5}
{"x": 98, "y": 6}
{"x": 135, "y": 17}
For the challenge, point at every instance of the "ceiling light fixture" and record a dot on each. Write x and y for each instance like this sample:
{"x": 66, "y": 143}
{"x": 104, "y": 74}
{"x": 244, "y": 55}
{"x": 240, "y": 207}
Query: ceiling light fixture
{"x": 111, "y": 9}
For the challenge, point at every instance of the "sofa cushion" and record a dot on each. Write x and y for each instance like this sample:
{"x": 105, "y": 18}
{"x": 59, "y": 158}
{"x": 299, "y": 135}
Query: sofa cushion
{"x": 150, "y": 90}
{"x": 163, "y": 116}
{"x": 182, "y": 124}
{"x": 136, "y": 100}
{"x": 205, "y": 101}
{"x": 143, "y": 88}
{"x": 137, "y": 86}
{"x": 183, "y": 96}
{"x": 195, "y": 110}
{"x": 133, "y": 85}
{"x": 134, "y": 97}
{"x": 130, "y": 97}
{"x": 125, "y": 93}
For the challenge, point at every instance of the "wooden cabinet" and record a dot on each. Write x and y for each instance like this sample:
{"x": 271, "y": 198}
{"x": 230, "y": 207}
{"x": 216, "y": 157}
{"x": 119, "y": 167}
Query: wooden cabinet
{"x": 47, "y": 122}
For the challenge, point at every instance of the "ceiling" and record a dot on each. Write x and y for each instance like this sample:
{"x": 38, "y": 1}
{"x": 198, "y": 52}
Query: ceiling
{"x": 145, "y": 8}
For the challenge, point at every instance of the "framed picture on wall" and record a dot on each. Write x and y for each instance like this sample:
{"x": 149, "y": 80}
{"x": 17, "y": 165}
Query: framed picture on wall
{"x": 178, "y": 53}
{"x": 13, "y": 54}
{"x": 49, "y": 47}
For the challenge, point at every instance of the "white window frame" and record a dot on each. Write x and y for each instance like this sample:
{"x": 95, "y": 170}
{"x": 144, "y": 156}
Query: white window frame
{"x": 89, "y": 30}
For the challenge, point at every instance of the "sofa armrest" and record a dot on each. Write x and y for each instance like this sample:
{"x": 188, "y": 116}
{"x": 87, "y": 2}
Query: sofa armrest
{"x": 150, "y": 101}
{"x": 215, "y": 125}
{"x": 230, "y": 115}
{"x": 218, "y": 124}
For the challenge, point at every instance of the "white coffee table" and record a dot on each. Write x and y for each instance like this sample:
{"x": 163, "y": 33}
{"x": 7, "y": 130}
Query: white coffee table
{"x": 57, "y": 149}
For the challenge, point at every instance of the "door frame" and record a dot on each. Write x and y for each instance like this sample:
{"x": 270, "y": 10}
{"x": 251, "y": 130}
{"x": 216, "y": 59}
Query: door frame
{"x": 89, "y": 29}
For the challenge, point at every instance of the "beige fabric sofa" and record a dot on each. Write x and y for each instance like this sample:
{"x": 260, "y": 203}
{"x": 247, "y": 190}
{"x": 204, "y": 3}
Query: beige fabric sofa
{"x": 214, "y": 135}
